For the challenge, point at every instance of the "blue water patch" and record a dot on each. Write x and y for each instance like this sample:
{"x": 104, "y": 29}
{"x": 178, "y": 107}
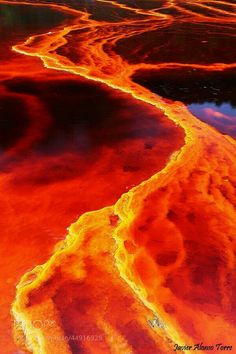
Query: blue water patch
{"x": 222, "y": 117}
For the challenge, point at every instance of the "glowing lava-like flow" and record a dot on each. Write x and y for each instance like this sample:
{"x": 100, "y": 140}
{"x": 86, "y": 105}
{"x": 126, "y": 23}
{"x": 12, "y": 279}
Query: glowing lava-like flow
{"x": 158, "y": 267}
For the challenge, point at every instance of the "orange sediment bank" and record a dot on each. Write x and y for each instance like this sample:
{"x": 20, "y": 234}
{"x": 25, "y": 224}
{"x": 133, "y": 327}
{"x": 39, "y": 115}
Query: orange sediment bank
{"x": 158, "y": 267}
{"x": 160, "y": 254}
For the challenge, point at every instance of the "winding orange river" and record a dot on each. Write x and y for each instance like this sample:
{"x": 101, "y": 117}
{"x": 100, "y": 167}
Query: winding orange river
{"x": 150, "y": 262}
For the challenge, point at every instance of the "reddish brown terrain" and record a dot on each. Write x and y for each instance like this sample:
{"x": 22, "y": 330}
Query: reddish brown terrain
{"x": 118, "y": 175}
